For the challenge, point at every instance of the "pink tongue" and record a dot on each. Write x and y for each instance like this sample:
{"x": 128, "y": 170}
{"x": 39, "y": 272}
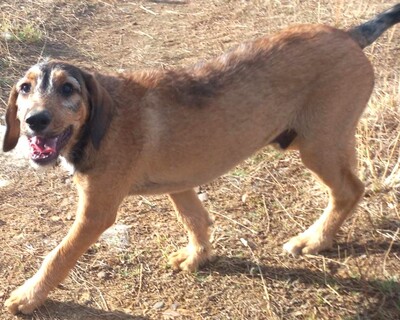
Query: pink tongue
{"x": 42, "y": 145}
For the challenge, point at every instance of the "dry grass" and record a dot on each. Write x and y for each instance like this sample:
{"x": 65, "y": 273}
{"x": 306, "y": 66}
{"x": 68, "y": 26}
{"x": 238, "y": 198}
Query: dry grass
{"x": 256, "y": 207}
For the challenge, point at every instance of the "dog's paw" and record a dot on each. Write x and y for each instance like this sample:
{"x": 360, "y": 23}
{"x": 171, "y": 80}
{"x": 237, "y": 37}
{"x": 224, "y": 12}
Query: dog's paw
{"x": 307, "y": 243}
{"x": 26, "y": 298}
{"x": 188, "y": 259}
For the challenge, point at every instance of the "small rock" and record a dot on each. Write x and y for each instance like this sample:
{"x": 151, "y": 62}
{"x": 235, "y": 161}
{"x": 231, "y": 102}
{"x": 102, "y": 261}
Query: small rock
{"x": 253, "y": 271}
{"x": 174, "y": 306}
{"x": 102, "y": 275}
{"x": 4, "y": 183}
{"x": 65, "y": 203}
{"x": 244, "y": 242}
{"x": 7, "y": 36}
{"x": 159, "y": 305}
{"x": 168, "y": 314}
{"x": 203, "y": 196}
{"x": 117, "y": 236}
{"x": 248, "y": 243}
{"x": 86, "y": 298}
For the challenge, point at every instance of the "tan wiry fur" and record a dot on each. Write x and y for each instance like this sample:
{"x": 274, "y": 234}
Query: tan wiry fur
{"x": 169, "y": 131}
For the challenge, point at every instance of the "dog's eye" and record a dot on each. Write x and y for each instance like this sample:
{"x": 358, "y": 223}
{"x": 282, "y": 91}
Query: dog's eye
{"x": 25, "y": 88}
{"x": 67, "y": 89}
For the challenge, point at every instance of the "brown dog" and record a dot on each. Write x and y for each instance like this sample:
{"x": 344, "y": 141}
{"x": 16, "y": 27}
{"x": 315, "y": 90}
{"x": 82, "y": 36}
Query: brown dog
{"x": 169, "y": 131}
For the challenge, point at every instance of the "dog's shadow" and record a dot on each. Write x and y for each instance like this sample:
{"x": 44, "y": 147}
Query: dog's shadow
{"x": 72, "y": 311}
{"x": 368, "y": 248}
{"x": 383, "y": 294}
{"x": 233, "y": 265}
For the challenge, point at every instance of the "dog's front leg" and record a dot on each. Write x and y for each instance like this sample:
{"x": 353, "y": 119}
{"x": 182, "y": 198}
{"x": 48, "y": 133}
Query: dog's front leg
{"x": 96, "y": 212}
{"x": 196, "y": 221}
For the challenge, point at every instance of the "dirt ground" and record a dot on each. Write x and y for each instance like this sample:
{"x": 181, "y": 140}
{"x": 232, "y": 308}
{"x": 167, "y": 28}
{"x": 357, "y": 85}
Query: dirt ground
{"x": 256, "y": 207}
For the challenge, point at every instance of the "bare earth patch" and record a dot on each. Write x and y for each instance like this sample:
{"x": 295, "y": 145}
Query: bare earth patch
{"x": 256, "y": 207}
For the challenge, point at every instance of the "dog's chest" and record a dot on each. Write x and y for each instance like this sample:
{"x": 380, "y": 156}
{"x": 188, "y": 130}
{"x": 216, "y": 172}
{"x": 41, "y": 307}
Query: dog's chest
{"x": 67, "y": 166}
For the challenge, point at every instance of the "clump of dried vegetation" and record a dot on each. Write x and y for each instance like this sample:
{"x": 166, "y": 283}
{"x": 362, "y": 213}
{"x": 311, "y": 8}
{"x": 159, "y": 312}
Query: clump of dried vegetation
{"x": 256, "y": 207}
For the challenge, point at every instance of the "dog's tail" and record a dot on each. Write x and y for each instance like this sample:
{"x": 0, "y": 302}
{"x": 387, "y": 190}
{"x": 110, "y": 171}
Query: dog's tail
{"x": 368, "y": 32}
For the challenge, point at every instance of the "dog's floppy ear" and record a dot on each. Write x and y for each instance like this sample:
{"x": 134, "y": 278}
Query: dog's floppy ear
{"x": 13, "y": 124}
{"x": 101, "y": 109}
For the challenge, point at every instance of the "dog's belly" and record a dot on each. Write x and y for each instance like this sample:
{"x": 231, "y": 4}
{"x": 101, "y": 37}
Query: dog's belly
{"x": 181, "y": 168}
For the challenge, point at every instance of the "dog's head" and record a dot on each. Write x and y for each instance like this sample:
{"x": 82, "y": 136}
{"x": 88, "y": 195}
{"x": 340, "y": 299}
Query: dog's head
{"x": 54, "y": 105}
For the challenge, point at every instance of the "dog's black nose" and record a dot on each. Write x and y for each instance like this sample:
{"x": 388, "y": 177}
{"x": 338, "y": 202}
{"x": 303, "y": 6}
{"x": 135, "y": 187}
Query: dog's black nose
{"x": 39, "y": 120}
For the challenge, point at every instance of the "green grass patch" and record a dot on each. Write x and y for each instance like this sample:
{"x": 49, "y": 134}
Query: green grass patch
{"x": 20, "y": 31}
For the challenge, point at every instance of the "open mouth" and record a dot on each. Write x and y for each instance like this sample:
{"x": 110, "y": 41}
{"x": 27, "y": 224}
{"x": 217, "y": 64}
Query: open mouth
{"x": 45, "y": 150}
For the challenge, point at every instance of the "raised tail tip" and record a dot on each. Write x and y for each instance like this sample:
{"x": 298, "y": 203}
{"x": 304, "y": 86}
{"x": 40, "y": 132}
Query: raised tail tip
{"x": 366, "y": 33}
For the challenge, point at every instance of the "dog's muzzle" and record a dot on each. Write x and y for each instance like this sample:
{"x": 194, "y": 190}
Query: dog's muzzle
{"x": 46, "y": 149}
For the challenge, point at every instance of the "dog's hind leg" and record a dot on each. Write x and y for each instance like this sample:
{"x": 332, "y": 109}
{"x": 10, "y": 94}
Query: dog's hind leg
{"x": 196, "y": 220}
{"x": 333, "y": 164}
{"x": 326, "y": 129}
